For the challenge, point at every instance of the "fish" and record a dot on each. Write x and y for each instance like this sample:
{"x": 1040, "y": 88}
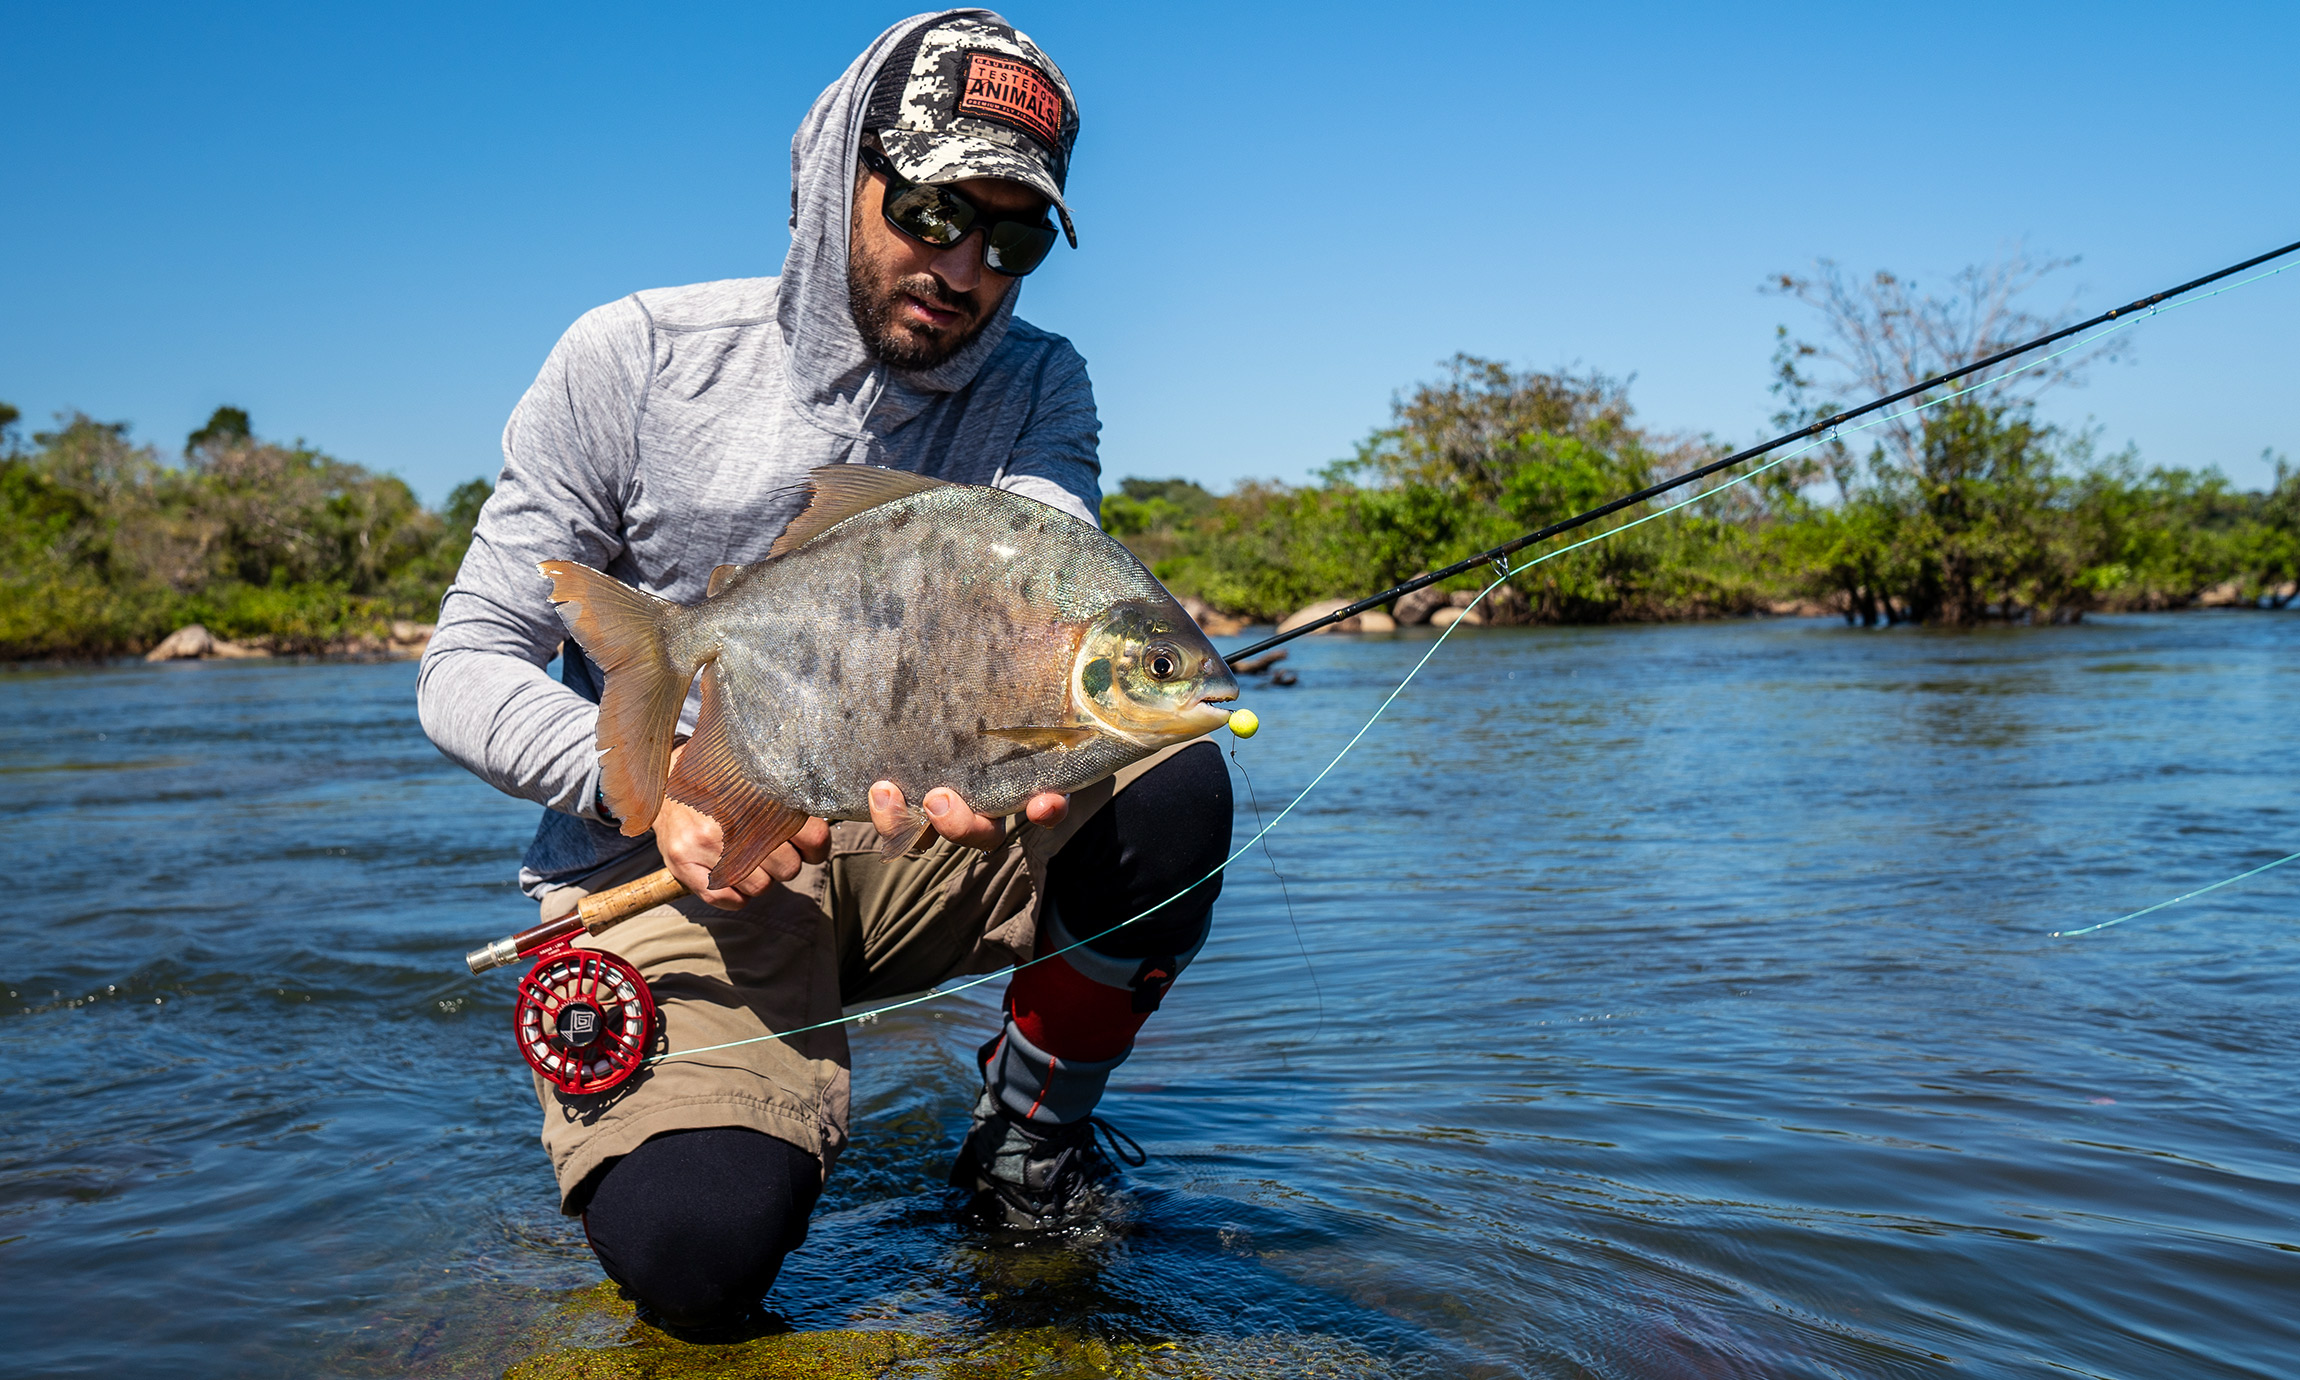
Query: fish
{"x": 901, "y": 628}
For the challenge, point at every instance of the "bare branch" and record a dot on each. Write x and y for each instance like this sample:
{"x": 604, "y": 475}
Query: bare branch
{"x": 1884, "y": 334}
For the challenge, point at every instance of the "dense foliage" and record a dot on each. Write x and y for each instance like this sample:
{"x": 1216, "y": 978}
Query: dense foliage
{"x": 104, "y": 549}
{"x": 1469, "y": 462}
{"x": 1998, "y": 517}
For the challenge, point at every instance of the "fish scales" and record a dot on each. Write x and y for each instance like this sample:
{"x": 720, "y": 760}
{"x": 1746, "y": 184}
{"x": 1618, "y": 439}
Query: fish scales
{"x": 905, "y": 630}
{"x": 934, "y": 642}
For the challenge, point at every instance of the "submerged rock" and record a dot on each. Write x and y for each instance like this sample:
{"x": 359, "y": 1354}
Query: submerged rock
{"x": 624, "y": 1348}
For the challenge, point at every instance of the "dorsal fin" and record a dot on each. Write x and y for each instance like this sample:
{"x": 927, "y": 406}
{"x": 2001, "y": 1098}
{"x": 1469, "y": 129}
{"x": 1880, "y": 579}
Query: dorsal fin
{"x": 721, "y": 577}
{"x": 841, "y": 491}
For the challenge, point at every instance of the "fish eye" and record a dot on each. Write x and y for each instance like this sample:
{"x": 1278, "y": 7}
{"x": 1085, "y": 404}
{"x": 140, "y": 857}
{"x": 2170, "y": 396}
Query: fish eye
{"x": 1162, "y": 661}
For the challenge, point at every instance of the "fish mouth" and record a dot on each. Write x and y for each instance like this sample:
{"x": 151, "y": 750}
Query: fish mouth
{"x": 1212, "y": 708}
{"x": 1219, "y": 693}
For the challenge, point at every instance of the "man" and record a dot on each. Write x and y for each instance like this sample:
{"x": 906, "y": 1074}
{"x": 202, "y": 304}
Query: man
{"x": 672, "y": 432}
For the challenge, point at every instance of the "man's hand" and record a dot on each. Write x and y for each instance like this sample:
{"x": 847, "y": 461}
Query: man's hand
{"x": 690, "y": 842}
{"x": 955, "y": 820}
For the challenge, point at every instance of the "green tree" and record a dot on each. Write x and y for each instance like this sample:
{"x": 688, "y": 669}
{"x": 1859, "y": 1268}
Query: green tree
{"x": 1959, "y": 510}
{"x": 1468, "y": 461}
{"x": 103, "y": 548}
{"x": 225, "y": 424}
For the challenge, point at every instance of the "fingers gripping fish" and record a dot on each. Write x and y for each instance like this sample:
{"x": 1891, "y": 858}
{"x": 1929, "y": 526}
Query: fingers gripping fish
{"x": 900, "y": 629}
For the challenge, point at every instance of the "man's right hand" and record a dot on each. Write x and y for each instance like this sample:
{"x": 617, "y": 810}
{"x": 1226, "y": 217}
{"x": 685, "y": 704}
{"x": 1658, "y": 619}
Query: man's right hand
{"x": 690, "y": 844}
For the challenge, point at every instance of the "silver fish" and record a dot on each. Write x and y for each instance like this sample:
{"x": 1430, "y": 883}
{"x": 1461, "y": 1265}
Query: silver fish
{"x": 900, "y": 629}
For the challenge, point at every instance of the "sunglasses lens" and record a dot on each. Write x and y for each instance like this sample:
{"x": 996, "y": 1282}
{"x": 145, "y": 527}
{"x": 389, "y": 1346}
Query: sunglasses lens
{"x": 1016, "y": 248}
{"x": 929, "y": 214}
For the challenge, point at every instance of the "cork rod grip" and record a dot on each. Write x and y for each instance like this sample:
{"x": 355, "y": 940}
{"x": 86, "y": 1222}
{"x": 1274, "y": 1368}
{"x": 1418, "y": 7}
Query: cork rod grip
{"x": 604, "y": 908}
{"x": 591, "y": 915}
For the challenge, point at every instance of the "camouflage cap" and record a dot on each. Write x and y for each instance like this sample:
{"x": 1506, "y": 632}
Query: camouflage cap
{"x": 969, "y": 97}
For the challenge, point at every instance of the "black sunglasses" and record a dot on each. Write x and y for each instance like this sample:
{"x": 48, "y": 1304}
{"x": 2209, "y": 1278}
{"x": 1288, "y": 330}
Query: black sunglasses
{"x": 941, "y": 217}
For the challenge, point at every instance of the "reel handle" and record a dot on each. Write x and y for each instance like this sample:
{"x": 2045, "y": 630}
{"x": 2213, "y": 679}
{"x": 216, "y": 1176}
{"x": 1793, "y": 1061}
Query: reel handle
{"x": 591, "y": 915}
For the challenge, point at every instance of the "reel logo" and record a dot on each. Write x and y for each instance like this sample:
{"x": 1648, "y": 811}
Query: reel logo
{"x": 578, "y": 1024}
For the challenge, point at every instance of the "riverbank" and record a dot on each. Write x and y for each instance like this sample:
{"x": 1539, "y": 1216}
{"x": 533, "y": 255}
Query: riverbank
{"x": 108, "y": 550}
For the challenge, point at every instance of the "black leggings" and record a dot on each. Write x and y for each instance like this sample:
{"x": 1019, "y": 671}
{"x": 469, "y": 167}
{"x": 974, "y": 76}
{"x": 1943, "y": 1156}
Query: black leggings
{"x": 696, "y": 1223}
{"x": 1159, "y": 835}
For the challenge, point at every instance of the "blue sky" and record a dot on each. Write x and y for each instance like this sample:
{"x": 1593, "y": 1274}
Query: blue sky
{"x": 367, "y": 225}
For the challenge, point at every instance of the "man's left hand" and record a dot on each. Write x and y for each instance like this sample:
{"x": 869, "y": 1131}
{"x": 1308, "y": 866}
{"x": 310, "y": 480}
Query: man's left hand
{"x": 955, "y": 820}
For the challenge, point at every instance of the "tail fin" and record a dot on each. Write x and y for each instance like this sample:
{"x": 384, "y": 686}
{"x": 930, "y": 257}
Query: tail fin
{"x": 622, "y": 628}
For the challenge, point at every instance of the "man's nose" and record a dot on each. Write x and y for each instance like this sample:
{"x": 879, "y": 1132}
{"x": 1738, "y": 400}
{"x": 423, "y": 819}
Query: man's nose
{"x": 960, "y": 266}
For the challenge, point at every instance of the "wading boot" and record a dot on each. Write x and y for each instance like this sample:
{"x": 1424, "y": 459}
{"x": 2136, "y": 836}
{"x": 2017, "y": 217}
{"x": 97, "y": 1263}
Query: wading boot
{"x": 1038, "y": 1177}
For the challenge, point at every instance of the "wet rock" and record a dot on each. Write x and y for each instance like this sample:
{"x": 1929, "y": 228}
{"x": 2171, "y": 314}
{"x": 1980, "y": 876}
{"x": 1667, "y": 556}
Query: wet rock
{"x": 1507, "y": 607}
{"x": 1259, "y": 664}
{"x": 1213, "y": 621}
{"x": 1372, "y": 620}
{"x": 1447, "y": 617}
{"x": 410, "y": 637}
{"x": 597, "y": 1336}
{"x": 193, "y": 642}
{"x": 1282, "y": 676}
{"x": 1413, "y": 609}
{"x": 1311, "y": 613}
{"x": 187, "y": 643}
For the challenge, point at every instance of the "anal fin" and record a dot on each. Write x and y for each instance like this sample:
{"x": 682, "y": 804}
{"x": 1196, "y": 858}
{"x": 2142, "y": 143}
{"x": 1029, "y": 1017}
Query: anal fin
{"x": 906, "y": 835}
{"x": 710, "y": 778}
{"x": 1044, "y": 739}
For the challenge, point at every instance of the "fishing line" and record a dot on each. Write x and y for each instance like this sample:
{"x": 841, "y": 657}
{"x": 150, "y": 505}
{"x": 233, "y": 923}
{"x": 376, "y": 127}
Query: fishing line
{"x": 1316, "y": 988}
{"x": 2071, "y": 934}
{"x": 1819, "y": 435}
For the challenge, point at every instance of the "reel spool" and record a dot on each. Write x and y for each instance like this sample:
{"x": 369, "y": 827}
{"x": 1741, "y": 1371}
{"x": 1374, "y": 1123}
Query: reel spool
{"x": 583, "y": 1018}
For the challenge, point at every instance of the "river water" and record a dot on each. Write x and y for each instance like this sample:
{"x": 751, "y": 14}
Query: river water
{"x": 1671, "y": 1001}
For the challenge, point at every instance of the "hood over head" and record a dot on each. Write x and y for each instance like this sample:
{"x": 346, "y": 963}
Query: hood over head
{"x": 835, "y": 381}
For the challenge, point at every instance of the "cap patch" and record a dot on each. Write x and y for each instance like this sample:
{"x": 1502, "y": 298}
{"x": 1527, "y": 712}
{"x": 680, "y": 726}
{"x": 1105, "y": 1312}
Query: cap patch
{"x": 1013, "y": 93}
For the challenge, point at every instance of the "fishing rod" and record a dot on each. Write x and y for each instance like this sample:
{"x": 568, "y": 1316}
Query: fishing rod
{"x": 1494, "y": 555}
{"x": 585, "y": 1018}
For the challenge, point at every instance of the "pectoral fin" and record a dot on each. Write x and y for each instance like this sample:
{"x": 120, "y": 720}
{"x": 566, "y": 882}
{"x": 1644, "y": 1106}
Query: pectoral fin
{"x": 723, "y": 576}
{"x": 710, "y": 778}
{"x": 1044, "y": 739}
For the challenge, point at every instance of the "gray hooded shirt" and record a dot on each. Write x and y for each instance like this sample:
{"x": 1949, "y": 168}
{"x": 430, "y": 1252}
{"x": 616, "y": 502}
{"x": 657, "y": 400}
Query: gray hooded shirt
{"x": 672, "y": 431}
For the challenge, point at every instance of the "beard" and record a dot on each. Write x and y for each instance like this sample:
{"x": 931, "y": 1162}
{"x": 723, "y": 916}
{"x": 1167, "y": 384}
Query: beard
{"x": 899, "y": 344}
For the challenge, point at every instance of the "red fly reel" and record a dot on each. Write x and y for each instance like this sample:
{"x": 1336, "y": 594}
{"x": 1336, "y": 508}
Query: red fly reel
{"x": 583, "y": 1018}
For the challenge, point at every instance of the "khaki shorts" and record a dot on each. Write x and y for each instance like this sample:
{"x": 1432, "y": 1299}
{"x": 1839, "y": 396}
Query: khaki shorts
{"x": 855, "y": 928}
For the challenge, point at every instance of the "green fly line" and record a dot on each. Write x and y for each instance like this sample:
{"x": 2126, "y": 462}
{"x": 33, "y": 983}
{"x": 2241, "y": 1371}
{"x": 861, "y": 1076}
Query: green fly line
{"x": 1447, "y": 632}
